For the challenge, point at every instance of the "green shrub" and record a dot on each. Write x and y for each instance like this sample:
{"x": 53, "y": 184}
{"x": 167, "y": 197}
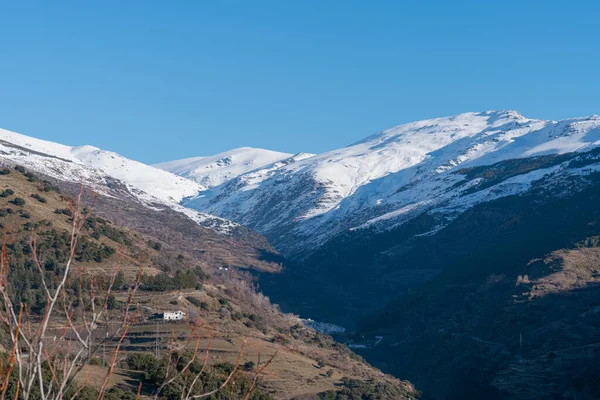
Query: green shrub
{"x": 194, "y": 301}
{"x": 20, "y": 168}
{"x": 87, "y": 250}
{"x": 355, "y": 389}
{"x": 49, "y": 187}
{"x": 31, "y": 177}
{"x": 249, "y": 366}
{"x": 163, "y": 282}
{"x": 209, "y": 379}
{"x": 111, "y": 302}
{"x": 39, "y": 198}
{"x": 64, "y": 211}
{"x": 18, "y": 201}
{"x": 141, "y": 361}
{"x": 4, "y": 171}
{"x": 116, "y": 393}
{"x": 7, "y": 192}
{"x": 102, "y": 227}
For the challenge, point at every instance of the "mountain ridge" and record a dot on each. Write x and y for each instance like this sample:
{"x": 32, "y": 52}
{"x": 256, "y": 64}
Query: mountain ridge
{"x": 415, "y": 232}
{"x": 107, "y": 173}
{"x": 56, "y": 159}
{"x": 389, "y": 176}
{"x": 211, "y": 171}
{"x": 302, "y": 201}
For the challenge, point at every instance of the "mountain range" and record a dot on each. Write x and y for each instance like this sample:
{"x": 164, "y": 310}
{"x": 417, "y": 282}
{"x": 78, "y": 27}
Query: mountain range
{"x": 432, "y": 236}
{"x": 300, "y": 202}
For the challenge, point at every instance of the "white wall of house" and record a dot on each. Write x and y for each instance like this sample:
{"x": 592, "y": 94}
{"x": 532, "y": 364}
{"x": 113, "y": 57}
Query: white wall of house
{"x": 173, "y": 316}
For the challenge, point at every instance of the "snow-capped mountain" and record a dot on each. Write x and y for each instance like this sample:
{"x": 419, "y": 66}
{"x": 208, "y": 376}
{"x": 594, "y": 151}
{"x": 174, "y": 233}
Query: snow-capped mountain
{"x": 89, "y": 164}
{"x": 214, "y": 170}
{"x": 107, "y": 172}
{"x": 301, "y": 202}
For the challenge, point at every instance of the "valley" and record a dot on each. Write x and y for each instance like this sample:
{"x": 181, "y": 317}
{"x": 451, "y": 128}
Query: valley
{"x": 458, "y": 254}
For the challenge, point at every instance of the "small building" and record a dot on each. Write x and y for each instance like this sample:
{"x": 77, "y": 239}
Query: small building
{"x": 173, "y": 316}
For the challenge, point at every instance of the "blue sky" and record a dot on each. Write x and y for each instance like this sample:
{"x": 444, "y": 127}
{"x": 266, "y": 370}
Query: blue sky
{"x": 160, "y": 80}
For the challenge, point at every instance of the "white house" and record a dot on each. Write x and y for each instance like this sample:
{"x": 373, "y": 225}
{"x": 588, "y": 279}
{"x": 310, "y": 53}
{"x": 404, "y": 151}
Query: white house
{"x": 173, "y": 316}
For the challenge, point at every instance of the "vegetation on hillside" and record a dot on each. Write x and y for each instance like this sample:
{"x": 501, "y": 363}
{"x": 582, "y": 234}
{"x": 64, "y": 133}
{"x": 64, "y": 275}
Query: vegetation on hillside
{"x": 40, "y": 296}
{"x": 352, "y": 389}
{"x": 103, "y": 277}
{"x": 216, "y": 379}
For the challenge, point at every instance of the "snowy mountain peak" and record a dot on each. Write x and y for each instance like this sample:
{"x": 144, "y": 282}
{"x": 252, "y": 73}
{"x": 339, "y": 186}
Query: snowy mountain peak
{"x": 301, "y": 156}
{"x": 301, "y": 202}
{"x": 91, "y": 165}
{"x": 86, "y": 148}
{"x": 504, "y": 113}
{"x": 214, "y": 170}
{"x": 466, "y": 124}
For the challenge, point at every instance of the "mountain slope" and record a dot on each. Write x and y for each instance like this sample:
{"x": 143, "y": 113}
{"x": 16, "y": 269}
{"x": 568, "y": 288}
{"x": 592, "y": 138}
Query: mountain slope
{"x": 182, "y": 269}
{"x": 523, "y": 266}
{"x": 451, "y": 298}
{"x": 390, "y": 177}
{"x": 92, "y": 165}
{"x": 215, "y": 170}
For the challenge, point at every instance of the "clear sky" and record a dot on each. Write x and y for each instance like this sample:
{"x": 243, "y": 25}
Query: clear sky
{"x": 161, "y": 80}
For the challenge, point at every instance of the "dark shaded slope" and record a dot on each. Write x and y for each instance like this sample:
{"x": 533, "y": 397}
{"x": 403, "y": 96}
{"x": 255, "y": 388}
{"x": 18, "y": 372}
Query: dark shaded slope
{"x": 455, "y": 334}
{"x": 464, "y": 295}
{"x": 362, "y": 270}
